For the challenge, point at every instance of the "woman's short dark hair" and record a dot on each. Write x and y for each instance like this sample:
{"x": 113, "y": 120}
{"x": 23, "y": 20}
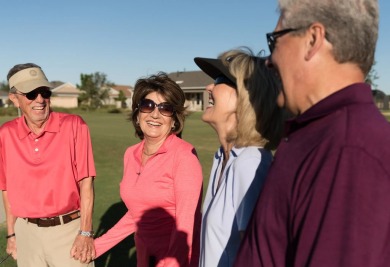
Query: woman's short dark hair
{"x": 167, "y": 88}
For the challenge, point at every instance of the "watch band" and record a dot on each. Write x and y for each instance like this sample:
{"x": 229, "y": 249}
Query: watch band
{"x": 87, "y": 233}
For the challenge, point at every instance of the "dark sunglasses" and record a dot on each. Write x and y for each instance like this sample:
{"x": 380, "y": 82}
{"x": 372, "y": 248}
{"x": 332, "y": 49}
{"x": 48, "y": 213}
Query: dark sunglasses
{"x": 273, "y": 36}
{"x": 45, "y": 93}
{"x": 148, "y": 106}
{"x": 223, "y": 79}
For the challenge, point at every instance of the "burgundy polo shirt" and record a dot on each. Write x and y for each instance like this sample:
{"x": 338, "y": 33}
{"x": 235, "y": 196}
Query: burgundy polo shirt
{"x": 41, "y": 172}
{"x": 326, "y": 201}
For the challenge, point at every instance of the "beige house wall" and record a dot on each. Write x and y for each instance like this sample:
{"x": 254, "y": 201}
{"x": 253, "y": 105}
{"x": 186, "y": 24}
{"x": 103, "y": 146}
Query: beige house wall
{"x": 64, "y": 102}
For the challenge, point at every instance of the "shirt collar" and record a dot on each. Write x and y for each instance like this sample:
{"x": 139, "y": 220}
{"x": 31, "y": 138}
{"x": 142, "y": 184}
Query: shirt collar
{"x": 163, "y": 148}
{"x": 234, "y": 152}
{"x": 52, "y": 125}
{"x": 353, "y": 94}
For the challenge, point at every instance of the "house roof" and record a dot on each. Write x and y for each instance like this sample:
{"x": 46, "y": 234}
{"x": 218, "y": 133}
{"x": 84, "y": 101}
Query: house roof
{"x": 66, "y": 88}
{"x": 126, "y": 89}
{"x": 55, "y": 84}
{"x": 191, "y": 79}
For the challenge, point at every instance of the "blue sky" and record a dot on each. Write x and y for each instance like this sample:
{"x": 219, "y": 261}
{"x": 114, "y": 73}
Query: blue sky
{"x": 128, "y": 39}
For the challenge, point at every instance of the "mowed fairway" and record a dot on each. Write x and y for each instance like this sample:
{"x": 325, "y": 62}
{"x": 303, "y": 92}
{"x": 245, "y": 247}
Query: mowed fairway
{"x": 111, "y": 134}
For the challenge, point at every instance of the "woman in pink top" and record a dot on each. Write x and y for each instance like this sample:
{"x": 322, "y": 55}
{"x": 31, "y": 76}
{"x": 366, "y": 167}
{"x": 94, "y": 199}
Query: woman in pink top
{"x": 162, "y": 181}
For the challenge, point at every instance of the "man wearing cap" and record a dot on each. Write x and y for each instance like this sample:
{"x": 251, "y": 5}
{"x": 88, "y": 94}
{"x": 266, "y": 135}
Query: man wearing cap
{"x": 46, "y": 176}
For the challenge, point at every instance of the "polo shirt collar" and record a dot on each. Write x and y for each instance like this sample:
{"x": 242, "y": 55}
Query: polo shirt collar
{"x": 353, "y": 94}
{"x": 52, "y": 125}
{"x": 234, "y": 152}
{"x": 163, "y": 148}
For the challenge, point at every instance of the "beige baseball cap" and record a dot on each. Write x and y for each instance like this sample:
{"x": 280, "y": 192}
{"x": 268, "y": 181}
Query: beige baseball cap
{"x": 29, "y": 79}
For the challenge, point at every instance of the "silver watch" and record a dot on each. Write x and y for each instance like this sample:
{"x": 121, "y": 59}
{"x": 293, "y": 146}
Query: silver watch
{"x": 87, "y": 233}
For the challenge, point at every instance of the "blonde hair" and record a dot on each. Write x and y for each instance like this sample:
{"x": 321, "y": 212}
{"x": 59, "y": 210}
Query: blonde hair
{"x": 259, "y": 119}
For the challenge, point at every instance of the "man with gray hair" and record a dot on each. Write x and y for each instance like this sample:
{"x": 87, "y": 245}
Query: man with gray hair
{"x": 326, "y": 199}
{"x": 46, "y": 177}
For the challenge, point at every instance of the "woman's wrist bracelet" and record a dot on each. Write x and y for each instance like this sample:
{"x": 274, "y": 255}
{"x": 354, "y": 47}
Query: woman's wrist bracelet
{"x": 9, "y": 236}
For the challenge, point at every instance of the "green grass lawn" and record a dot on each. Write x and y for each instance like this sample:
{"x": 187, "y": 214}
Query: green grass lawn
{"x": 387, "y": 115}
{"x": 111, "y": 134}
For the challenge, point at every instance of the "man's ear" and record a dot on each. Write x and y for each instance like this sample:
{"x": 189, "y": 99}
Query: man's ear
{"x": 14, "y": 99}
{"x": 316, "y": 39}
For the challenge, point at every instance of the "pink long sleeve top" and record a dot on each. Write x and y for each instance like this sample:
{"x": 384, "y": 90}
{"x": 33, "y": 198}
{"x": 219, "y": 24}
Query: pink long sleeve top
{"x": 163, "y": 199}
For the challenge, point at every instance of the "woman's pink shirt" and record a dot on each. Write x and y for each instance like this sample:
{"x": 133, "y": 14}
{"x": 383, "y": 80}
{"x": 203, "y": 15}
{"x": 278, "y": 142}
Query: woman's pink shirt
{"x": 163, "y": 199}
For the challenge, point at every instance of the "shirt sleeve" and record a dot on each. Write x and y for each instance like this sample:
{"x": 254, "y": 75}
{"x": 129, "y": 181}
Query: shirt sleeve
{"x": 84, "y": 154}
{"x": 123, "y": 228}
{"x": 188, "y": 181}
{"x": 3, "y": 184}
{"x": 249, "y": 176}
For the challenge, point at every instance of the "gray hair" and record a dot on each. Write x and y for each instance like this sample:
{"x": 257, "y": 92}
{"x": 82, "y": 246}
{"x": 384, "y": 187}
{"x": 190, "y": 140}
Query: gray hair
{"x": 351, "y": 26}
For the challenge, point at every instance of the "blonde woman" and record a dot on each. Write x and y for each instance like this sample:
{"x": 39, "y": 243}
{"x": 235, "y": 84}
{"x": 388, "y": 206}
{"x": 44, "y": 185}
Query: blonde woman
{"x": 242, "y": 110}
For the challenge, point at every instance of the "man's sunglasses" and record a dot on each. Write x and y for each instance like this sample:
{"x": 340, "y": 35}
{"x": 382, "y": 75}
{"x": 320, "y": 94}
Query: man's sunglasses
{"x": 273, "y": 36}
{"x": 45, "y": 93}
{"x": 148, "y": 106}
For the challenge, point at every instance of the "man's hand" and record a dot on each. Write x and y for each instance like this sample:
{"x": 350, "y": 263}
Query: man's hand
{"x": 10, "y": 219}
{"x": 11, "y": 247}
{"x": 83, "y": 249}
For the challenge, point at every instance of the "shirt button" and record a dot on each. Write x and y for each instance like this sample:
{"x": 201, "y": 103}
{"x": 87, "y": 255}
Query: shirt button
{"x": 286, "y": 139}
{"x": 36, "y": 149}
{"x": 36, "y": 140}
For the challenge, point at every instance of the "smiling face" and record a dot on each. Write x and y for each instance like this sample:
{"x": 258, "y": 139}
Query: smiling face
{"x": 36, "y": 112}
{"x": 222, "y": 106}
{"x": 154, "y": 125}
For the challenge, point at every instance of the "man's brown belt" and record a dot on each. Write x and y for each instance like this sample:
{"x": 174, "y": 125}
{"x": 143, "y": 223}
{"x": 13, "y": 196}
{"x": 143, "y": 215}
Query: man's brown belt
{"x": 54, "y": 221}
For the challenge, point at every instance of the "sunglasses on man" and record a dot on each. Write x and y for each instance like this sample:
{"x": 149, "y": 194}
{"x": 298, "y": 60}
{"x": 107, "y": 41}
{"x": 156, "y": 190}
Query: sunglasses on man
{"x": 273, "y": 36}
{"x": 148, "y": 106}
{"x": 44, "y": 92}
